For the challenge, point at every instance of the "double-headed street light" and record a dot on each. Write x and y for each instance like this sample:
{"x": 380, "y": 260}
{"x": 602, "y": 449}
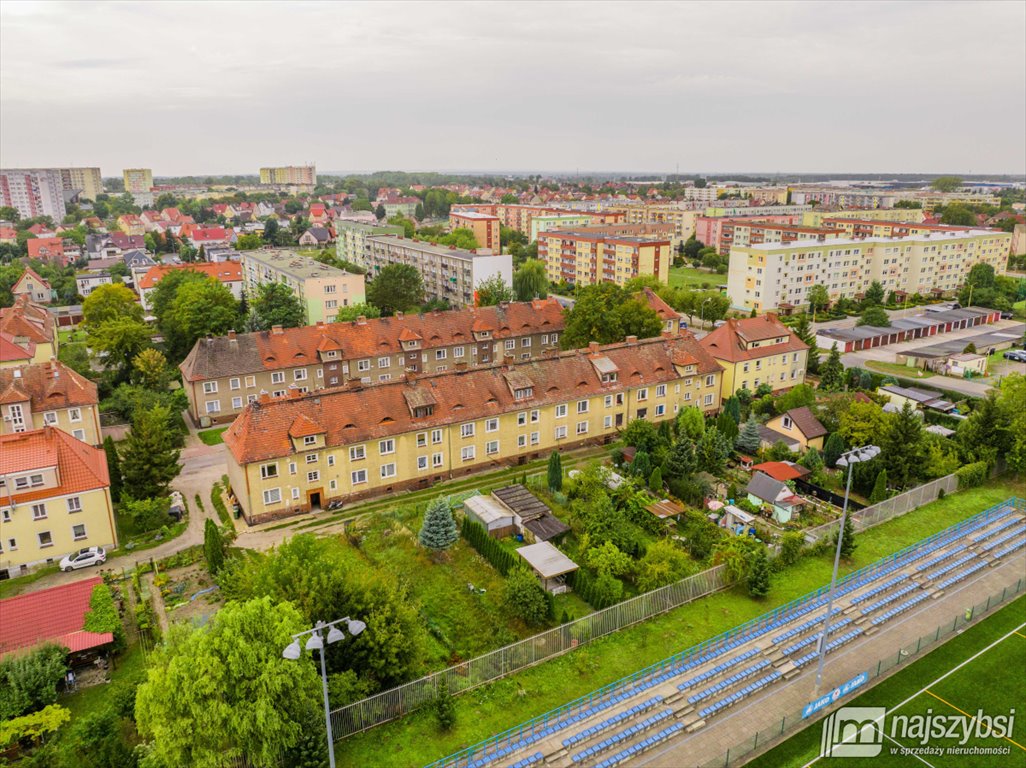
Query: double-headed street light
{"x": 849, "y": 460}
{"x": 317, "y": 642}
{"x": 702, "y": 312}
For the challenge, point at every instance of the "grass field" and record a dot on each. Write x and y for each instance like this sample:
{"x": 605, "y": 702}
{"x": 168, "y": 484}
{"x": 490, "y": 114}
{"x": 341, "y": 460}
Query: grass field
{"x": 689, "y": 277}
{"x": 937, "y": 684}
{"x": 492, "y": 708}
{"x": 212, "y": 436}
{"x": 898, "y": 370}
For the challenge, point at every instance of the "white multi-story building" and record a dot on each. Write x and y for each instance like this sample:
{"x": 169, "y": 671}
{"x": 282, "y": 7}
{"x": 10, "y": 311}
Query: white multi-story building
{"x": 448, "y": 273}
{"x": 770, "y": 276}
{"x": 33, "y": 192}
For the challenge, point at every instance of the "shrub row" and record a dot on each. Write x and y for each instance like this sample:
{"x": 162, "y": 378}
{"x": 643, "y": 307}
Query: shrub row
{"x": 490, "y": 549}
{"x": 972, "y": 475}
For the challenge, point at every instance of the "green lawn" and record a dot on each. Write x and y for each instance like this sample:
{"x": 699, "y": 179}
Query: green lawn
{"x": 212, "y": 436}
{"x": 962, "y": 689}
{"x": 894, "y": 369}
{"x": 690, "y": 277}
{"x": 1019, "y": 309}
{"x": 493, "y": 708}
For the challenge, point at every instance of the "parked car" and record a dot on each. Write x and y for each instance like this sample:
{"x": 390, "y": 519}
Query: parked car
{"x": 83, "y": 558}
{"x": 1016, "y": 355}
{"x": 1006, "y": 315}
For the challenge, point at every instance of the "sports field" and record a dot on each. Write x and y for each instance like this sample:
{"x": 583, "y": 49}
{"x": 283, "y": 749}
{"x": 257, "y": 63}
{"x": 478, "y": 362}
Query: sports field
{"x": 983, "y": 668}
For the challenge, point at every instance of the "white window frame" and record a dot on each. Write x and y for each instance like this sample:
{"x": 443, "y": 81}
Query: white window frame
{"x": 358, "y": 476}
{"x": 468, "y": 453}
{"x": 357, "y": 452}
{"x": 388, "y": 470}
{"x": 272, "y": 496}
{"x": 386, "y": 447}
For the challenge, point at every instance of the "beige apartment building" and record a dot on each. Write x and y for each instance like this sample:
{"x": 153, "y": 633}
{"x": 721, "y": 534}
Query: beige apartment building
{"x": 289, "y": 175}
{"x": 320, "y": 288}
{"x": 582, "y": 258}
{"x": 88, "y": 180}
{"x": 54, "y": 499}
{"x": 683, "y": 220}
{"x": 776, "y": 276}
{"x": 291, "y": 455}
{"x": 484, "y": 226}
{"x": 351, "y": 239}
{"x": 222, "y": 375}
{"x": 49, "y": 395}
{"x": 137, "y": 180}
{"x": 448, "y": 272}
{"x": 902, "y": 215}
{"x": 31, "y": 328}
{"x": 755, "y": 351}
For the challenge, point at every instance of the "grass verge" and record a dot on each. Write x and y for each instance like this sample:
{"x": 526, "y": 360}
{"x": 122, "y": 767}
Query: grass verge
{"x": 962, "y": 688}
{"x": 212, "y": 436}
{"x": 493, "y": 708}
{"x": 689, "y": 277}
{"x": 894, "y": 369}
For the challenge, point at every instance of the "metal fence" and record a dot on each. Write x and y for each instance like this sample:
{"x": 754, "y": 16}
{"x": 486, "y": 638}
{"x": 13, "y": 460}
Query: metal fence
{"x": 406, "y": 698}
{"x": 888, "y": 508}
{"x": 793, "y": 721}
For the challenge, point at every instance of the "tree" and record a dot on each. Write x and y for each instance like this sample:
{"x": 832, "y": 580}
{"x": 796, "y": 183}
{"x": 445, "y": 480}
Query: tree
{"x": 608, "y": 559}
{"x": 380, "y": 212}
{"x": 712, "y": 450}
{"x": 418, "y": 212}
{"x": 555, "y": 472}
{"x": 759, "y": 574}
{"x": 249, "y": 242}
{"x": 655, "y": 480}
{"x": 946, "y": 183}
{"x": 356, "y": 311}
{"x": 874, "y": 294}
{"x": 28, "y": 682}
{"x": 831, "y": 373}
{"x": 862, "y": 423}
{"x": 438, "y": 531}
{"x": 791, "y": 545}
{"x": 531, "y": 281}
{"x": 200, "y": 308}
{"x": 692, "y": 248}
{"x": 732, "y": 406}
{"x": 832, "y": 449}
{"x": 958, "y": 215}
{"x": 113, "y": 467}
{"x": 726, "y": 425}
{"x": 492, "y": 291}
{"x": 224, "y": 692}
{"x": 691, "y": 422}
{"x": 749, "y": 439}
{"x": 683, "y": 460}
{"x": 818, "y": 298}
{"x": 524, "y": 597}
{"x": 445, "y": 705}
{"x": 120, "y": 340}
{"x": 213, "y": 547}
{"x": 879, "y": 487}
{"x": 276, "y": 304}
{"x": 803, "y": 330}
{"x": 110, "y": 302}
{"x": 397, "y": 287}
{"x": 848, "y": 543}
{"x": 663, "y": 563}
{"x": 970, "y": 349}
{"x": 150, "y": 458}
{"x": 875, "y": 316}
{"x": 800, "y": 396}
{"x": 103, "y": 617}
{"x": 606, "y": 313}
{"x": 151, "y": 369}
{"x": 270, "y": 230}
{"x": 902, "y": 446}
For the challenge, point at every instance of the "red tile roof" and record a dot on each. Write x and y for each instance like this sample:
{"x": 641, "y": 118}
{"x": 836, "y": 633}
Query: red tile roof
{"x": 9, "y": 351}
{"x": 262, "y": 431}
{"x": 267, "y": 350}
{"x": 47, "y": 386}
{"x": 29, "y": 272}
{"x": 55, "y": 615}
{"x": 781, "y": 470}
{"x": 658, "y": 305}
{"x": 44, "y": 247}
{"x": 80, "y": 467}
{"x": 223, "y": 271}
{"x": 730, "y": 341}
{"x": 27, "y": 319}
{"x": 210, "y": 234}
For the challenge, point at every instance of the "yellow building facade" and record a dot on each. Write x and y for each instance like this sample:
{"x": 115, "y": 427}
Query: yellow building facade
{"x": 755, "y": 351}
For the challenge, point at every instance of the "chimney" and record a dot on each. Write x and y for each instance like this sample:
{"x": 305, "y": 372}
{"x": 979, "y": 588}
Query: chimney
{"x": 361, "y": 320}
{"x": 631, "y": 340}
{"x": 231, "y": 334}
{"x": 276, "y": 330}
{"x": 593, "y": 346}
{"x": 398, "y": 315}
{"x": 320, "y": 323}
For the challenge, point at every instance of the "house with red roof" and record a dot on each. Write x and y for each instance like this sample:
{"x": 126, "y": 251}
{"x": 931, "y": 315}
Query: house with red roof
{"x": 34, "y": 286}
{"x": 55, "y": 500}
{"x": 210, "y": 237}
{"x": 49, "y": 249}
{"x": 40, "y": 230}
{"x": 54, "y": 615}
{"x": 49, "y": 394}
{"x": 131, "y": 224}
{"x": 229, "y": 273}
{"x": 8, "y": 235}
{"x": 755, "y": 351}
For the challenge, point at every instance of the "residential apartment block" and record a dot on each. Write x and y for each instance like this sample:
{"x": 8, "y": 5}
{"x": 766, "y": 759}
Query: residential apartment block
{"x": 137, "y": 180}
{"x": 682, "y": 219}
{"x": 228, "y": 273}
{"x": 290, "y": 455}
{"x": 757, "y": 210}
{"x": 88, "y": 182}
{"x": 904, "y": 215}
{"x": 54, "y": 499}
{"x": 880, "y": 228}
{"x": 744, "y": 232}
{"x": 484, "y": 226}
{"x": 448, "y": 273}
{"x": 322, "y": 289}
{"x": 289, "y": 175}
{"x": 755, "y": 351}
{"x": 581, "y": 258}
{"x": 33, "y": 192}
{"x": 771, "y": 276}
{"x": 351, "y": 239}
{"x": 49, "y": 395}
{"x": 519, "y": 217}
{"x": 222, "y": 375}
{"x": 566, "y": 220}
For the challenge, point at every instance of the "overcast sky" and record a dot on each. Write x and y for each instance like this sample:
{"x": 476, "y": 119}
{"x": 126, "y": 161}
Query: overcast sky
{"x": 208, "y": 87}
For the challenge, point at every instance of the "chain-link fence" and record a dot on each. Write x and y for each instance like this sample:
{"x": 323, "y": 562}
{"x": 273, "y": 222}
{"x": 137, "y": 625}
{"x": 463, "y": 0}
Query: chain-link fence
{"x": 793, "y": 721}
{"x": 889, "y": 508}
{"x": 404, "y": 699}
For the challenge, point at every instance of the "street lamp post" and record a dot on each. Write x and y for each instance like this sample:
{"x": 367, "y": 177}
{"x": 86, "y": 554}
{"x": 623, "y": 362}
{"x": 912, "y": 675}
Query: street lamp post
{"x": 702, "y": 312}
{"x": 849, "y": 460}
{"x": 317, "y": 642}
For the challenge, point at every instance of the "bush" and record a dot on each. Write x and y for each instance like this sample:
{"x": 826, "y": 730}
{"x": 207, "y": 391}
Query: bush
{"x": 29, "y": 682}
{"x": 103, "y": 616}
{"x": 607, "y": 590}
{"x": 524, "y": 597}
{"x": 445, "y": 707}
{"x": 791, "y": 546}
{"x": 759, "y": 575}
{"x": 972, "y": 475}
{"x": 143, "y": 515}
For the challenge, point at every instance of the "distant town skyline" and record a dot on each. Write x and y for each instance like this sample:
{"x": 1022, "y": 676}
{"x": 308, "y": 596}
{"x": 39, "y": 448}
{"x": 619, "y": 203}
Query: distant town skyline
{"x": 644, "y": 87}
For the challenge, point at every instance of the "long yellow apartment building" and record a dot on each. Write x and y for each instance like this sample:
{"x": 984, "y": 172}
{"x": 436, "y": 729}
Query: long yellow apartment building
{"x": 297, "y": 453}
{"x": 778, "y": 276}
{"x": 54, "y": 499}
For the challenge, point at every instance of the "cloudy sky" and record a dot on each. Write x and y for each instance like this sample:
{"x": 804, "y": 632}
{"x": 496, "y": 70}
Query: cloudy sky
{"x": 206, "y": 87}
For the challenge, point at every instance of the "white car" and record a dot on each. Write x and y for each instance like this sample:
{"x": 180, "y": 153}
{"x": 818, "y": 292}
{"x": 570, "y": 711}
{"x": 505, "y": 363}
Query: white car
{"x": 83, "y": 558}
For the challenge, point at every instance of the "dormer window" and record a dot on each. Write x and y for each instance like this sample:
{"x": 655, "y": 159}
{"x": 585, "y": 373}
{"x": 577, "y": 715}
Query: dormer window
{"x": 422, "y": 411}
{"x": 609, "y": 378}
{"x": 523, "y": 394}
{"x": 310, "y": 440}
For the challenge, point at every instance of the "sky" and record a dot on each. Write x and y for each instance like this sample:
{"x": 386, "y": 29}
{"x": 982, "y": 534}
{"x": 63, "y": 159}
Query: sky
{"x": 209, "y": 87}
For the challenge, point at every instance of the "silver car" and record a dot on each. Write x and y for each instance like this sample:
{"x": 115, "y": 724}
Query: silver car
{"x": 83, "y": 558}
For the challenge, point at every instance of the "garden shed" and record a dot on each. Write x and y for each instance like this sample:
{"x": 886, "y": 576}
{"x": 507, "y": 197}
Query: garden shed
{"x": 549, "y": 564}
{"x": 763, "y": 489}
{"x": 530, "y": 514}
{"x": 491, "y": 515}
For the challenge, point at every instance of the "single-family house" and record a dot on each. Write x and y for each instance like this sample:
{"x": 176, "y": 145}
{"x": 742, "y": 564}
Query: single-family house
{"x": 30, "y": 283}
{"x": 87, "y": 282}
{"x": 802, "y": 426}
{"x": 315, "y": 236}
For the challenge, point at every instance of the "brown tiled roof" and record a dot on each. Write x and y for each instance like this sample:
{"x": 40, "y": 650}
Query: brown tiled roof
{"x": 47, "y": 386}
{"x": 80, "y": 467}
{"x": 806, "y": 422}
{"x": 268, "y": 350}
{"x": 28, "y": 319}
{"x": 352, "y": 415}
{"x": 9, "y": 351}
{"x": 728, "y": 341}
{"x": 224, "y": 271}
{"x": 658, "y": 305}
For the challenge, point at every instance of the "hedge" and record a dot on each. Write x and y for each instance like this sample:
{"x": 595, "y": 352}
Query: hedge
{"x": 490, "y": 549}
{"x": 972, "y": 475}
